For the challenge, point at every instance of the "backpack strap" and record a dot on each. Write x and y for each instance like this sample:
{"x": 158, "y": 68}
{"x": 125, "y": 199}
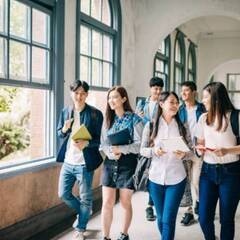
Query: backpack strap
{"x": 235, "y": 123}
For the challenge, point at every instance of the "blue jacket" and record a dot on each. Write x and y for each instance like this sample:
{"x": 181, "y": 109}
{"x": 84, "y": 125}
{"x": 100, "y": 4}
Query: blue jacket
{"x": 183, "y": 112}
{"x": 92, "y": 118}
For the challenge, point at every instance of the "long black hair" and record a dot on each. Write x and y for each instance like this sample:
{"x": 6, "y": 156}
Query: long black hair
{"x": 163, "y": 97}
{"x": 220, "y": 104}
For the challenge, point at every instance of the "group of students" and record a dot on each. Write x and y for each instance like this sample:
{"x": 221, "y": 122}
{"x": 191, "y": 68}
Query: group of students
{"x": 209, "y": 172}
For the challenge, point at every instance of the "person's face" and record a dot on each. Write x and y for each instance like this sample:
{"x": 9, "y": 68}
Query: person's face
{"x": 115, "y": 100}
{"x": 170, "y": 106}
{"x": 187, "y": 94}
{"x": 79, "y": 96}
{"x": 206, "y": 99}
{"x": 155, "y": 92}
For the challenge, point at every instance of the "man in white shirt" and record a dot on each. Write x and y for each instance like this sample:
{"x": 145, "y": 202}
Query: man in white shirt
{"x": 189, "y": 113}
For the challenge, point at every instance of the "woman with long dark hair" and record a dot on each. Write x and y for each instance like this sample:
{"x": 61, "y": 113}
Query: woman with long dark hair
{"x": 220, "y": 175}
{"x": 167, "y": 175}
{"x": 121, "y": 160}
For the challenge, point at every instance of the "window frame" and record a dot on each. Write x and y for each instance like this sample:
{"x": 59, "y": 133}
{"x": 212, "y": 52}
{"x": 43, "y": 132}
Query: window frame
{"x": 192, "y": 52}
{"x": 166, "y": 59}
{"x": 114, "y": 31}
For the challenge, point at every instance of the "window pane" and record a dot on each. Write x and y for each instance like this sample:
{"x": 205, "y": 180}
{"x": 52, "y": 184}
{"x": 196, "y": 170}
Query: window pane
{"x": 190, "y": 63}
{"x": 3, "y": 16}
{"x": 96, "y": 73}
{"x": 107, "y": 48}
{"x": 84, "y": 40}
{"x": 234, "y": 82}
{"x": 96, "y": 44}
{"x": 19, "y": 19}
{"x": 178, "y": 52}
{"x": 40, "y": 27}
{"x": 96, "y": 9}
{"x": 84, "y": 68}
{"x": 106, "y": 74}
{"x": 40, "y": 65}
{"x": 85, "y": 6}
{"x": 24, "y": 125}
{"x": 3, "y": 57}
{"x": 190, "y": 77}
{"x": 19, "y": 61}
{"x": 161, "y": 48}
{"x": 106, "y": 16}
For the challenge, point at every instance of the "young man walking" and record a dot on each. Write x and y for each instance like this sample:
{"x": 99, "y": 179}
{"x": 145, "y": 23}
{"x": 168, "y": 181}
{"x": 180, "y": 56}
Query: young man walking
{"x": 80, "y": 157}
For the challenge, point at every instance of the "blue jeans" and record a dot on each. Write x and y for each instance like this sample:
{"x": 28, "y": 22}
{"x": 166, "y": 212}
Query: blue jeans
{"x": 219, "y": 182}
{"x": 166, "y": 200}
{"x": 83, "y": 205}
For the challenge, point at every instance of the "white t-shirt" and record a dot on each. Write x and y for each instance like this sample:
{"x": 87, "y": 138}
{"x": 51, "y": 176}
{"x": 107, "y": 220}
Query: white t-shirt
{"x": 192, "y": 120}
{"x": 216, "y": 139}
{"x": 73, "y": 154}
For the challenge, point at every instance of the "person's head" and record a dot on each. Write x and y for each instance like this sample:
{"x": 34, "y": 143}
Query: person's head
{"x": 117, "y": 99}
{"x": 79, "y": 92}
{"x": 156, "y": 85}
{"x": 217, "y": 102}
{"x": 188, "y": 91}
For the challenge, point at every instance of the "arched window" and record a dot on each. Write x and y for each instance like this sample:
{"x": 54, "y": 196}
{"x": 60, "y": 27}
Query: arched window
{"x": 179, "y": 62}
{"x": 192, "y": 67}
{"x": 98, "y": 42}
{"x": 162, "y": 62}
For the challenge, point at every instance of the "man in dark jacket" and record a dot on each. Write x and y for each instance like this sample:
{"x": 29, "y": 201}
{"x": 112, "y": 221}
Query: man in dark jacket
{"x": 81, "y": 157}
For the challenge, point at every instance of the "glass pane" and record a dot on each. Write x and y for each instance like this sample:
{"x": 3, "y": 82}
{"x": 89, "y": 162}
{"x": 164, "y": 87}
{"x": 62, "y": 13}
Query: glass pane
{"x": 190, "y": 63}
{"x": 167, "y": 46}
{"x": 40, "y": 27}
{"x": 19, "y": 20}
{"x": 96, "y": 9}
{"x": 234, "y": 82}
{"x": 40, "y": 65}
{"x": 107, "y": 48}
{"x": 84, "y": 68}
{"x": 24, "y": 125}
{"x": 190, "y": 77}
{"x": 96, "y": 73}
{"x": 106, "y": 74}
{"x": 178, "y": 52}
{"x": 85, "y": 6}
{"x": 19, "y": 61}
{"x": 235, "y": 98}
{"x": 3, "y": 16}
{"x": 3, "y": 57}
{"x": 84, "y": 40}
{"x": 158, "y": 65}
{"x": 96, "y": 44}
{"x": 161, "y": 49}
{"x": 106, "y": 16}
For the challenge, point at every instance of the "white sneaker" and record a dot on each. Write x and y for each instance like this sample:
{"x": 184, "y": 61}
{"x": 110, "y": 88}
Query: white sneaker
{"x": 78, "y": 235}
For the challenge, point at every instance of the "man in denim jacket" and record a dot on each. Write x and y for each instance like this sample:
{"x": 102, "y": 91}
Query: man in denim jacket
{"x": 80, "y": 157}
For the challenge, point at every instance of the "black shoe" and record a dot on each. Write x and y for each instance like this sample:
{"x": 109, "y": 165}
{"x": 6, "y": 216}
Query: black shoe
{"x": 123, "y": 237}
{"x": 188, "y": 219}
{"x": 196, "y": 209}
{"x": 150, "y": 214}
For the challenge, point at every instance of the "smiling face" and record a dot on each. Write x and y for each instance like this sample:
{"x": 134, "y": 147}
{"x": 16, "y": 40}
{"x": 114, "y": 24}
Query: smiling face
{"x": 115, "y": 100}
{"x": 79, "y": 96}
{"x": 155, "y": 92}
{"x": 187, "y": 94}
{"x": 206, "y": 99}
{"x": 170, "y": 106}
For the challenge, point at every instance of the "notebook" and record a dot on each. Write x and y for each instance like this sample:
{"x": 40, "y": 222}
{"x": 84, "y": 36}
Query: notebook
{"x": 82, "y": 133}
{"x": 122, "y": 137}
{"x": 174, "y": 144}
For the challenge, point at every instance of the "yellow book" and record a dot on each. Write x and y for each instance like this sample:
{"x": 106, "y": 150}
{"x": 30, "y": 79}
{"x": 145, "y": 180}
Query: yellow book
{"x": 82, "y": 133}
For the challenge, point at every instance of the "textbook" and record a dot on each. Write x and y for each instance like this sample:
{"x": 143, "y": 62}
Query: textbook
{"x": 82, "y": 133}
{"x": 174, "y": 144}
{"x": 122, "y": 137}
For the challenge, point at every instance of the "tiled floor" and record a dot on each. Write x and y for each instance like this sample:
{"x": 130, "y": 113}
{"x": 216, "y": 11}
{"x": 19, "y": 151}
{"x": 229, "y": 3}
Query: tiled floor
{"x": 142, "y": 229}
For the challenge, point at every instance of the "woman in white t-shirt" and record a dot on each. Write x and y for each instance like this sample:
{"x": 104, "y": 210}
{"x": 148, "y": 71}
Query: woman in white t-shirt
{"x": 220, "y": 175}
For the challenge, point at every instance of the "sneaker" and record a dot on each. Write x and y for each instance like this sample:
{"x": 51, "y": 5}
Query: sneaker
{"x": 78, "y": 235}
{"x": 150, "y": 214}
{"x": 123, "y": 237}
{"x": 187, "y": 219}
{"x": 196, "y": 209}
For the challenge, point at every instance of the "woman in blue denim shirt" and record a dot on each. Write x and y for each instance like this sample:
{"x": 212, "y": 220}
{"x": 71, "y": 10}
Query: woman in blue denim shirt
{"x": 121, "y": 161}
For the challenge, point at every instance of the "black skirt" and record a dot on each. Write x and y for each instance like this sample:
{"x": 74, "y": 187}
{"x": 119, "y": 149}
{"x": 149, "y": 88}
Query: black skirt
{"x": 118, "y": 173}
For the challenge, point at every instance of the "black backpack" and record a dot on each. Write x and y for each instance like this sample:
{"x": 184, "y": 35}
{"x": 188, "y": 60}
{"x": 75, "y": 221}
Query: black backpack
{"x": 234, "y": 119}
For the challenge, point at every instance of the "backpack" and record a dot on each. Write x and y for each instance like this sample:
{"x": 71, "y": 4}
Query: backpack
{"x": 234, "y": 119}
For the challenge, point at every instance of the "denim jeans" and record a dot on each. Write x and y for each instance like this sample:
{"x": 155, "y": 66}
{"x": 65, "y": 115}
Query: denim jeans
{"x": 166, "y": 200}
{"x": 83, "y": 205}
{"x": 219, "y": 182}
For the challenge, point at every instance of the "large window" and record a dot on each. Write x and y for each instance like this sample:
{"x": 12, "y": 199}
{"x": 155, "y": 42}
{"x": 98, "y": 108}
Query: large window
{"x": 192, "y": 68}
{"x": 26, "y": 81}
{"x": 162, "y": 62}
{"x": 233, "y": 86}
{"x": 98, "y": 41}
{"x": 179, "y": 62}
